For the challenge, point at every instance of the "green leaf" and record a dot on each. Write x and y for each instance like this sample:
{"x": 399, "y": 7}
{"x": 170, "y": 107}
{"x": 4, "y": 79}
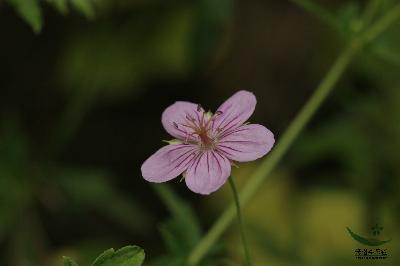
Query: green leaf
{"x": 366, "y": 241}
{"x": 30, "y": 11}
{"x": 126, "y": 256}
{"x": 181, "y": 232}
{"x": 69, "y": 262}
{"x": 84, "y": 6}
{"x": 184, "y": 226}
{"x": 60, "y": 5}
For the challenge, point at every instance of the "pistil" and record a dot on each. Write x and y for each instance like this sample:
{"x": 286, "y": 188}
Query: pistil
{"x": 201, "y": 127}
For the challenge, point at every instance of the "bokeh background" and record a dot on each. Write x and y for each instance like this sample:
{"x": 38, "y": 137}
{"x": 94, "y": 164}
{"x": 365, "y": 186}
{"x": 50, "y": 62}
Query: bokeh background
{"x": 83, "y": 85}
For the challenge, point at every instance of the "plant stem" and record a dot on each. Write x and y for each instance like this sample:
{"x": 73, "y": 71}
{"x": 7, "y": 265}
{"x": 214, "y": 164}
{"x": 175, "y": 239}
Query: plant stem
{"x": 370, "y": 11}
{"x": 294, "y": 129}
{"x": 269, "y": 163}
{"x": 240, "y": 221}
{"x": 381, "y": 25}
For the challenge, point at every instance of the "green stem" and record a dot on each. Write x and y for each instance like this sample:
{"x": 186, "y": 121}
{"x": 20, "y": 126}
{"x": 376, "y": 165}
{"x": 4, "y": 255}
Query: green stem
{"x": 294, "y": 129}
{"x": 370, "y": 11}
{"x": 240, "y": 221}
{"x": 385, "y": 22}
{"x": 280, "y": 149}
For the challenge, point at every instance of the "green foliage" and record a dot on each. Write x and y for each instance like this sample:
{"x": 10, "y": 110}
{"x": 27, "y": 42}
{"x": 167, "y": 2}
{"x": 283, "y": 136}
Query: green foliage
{"x": 387, "y": 47}
{"x": 111, "y": 61}
{"x": 69, "y": 262}
{"x": 113, "y": 58}
{"x": 351, "y": 17}
{"x": 365, "y": 144}
{"x": 60, "y": 5}
{"x": 84, "y": 6}
{"x": 81, "y": 190}
{"x": 381, "y": 55}
{"x": 181, "y": 232}
{"x": 366, "y": 241}
{"x": 126, "y": 256}
{"x": 30, "y": 11}
{"x": 348, "y": 16}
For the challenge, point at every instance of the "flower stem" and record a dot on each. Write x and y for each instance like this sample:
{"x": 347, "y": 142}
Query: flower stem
{"x": 240, "y": 221}
{"x": 294, "y": 129}
{"x": 271, "y": 161}
{"x": 381, "y": 25}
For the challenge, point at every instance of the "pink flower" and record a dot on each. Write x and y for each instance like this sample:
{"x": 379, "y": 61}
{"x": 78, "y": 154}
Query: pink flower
{"x": 208, "y": 143}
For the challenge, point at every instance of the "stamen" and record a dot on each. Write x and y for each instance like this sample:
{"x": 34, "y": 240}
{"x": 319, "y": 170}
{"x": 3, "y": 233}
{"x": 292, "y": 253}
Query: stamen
{"x": 198, "y": 130}
{"x": 190, "y": 118}
{"x": 202, "y": 120}
{"x": 188, "y": 135}
{"x": 217, "y": 113}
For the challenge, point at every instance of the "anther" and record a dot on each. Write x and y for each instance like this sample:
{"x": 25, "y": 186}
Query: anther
{"x": 190, "y": 118}
{"x": 175, "y": 125}
{"x": 218, "y": 113}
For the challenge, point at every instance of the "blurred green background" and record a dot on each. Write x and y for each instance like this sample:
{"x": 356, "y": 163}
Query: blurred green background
{"x": 83, "y": 85}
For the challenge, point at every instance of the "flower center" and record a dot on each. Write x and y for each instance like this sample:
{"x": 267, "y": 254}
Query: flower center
{"x": 202, "y": 127}
{"x": 206, "y": 141}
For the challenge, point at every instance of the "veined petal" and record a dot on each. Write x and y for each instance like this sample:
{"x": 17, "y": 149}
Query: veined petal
{"x": 208, "y": 172}
{"x": 175, "y": 117}
{"x": 235, "y": 111}
{"x": 246, "y": 143}
{"x": 168, "y": 162}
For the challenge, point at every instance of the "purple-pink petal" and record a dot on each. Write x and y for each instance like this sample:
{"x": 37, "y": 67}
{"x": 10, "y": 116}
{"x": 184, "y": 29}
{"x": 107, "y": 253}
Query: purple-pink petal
{"x": 246, "y": 143}
{"x": 208, "y": 172}
{"x": 168, "y": 162}
{"x": 175, "y": 117}
{"x": 235, "y": 111}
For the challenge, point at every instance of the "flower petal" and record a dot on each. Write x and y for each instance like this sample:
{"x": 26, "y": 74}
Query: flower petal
{"x": 168, "y": 162}
{"x": 208, "y": 172}
{"x": 246, "y": 143}
{"x": 235, "y": 111}
{"x": 176, "y": 115}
